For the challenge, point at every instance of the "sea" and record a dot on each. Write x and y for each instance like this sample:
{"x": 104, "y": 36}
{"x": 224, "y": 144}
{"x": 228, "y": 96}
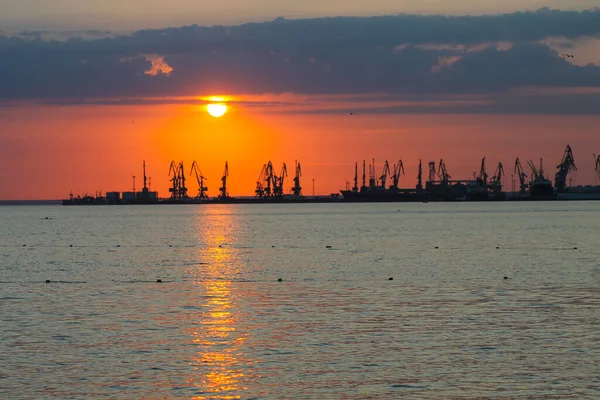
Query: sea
{"x": 301, "y": 301}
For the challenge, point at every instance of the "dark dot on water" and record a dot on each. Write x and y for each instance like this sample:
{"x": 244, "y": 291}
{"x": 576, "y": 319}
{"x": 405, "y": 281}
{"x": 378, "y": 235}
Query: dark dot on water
{"x": 279, "y": 280}
{"x": 327, "y": 247}
{"x": 506, "y": 277}
{"x": 574, "y": 248}
{"x": 159, "y": 281}
{"x": 436, "y": 247}
{"x": 70, "y": 245}
{"x": 497, "y": 247}
{"x": 47, "y": 280}
{"x": 272, "y": 246}
{"x": 170, "y": 245}
{"x": 24, "y": 245}
{"x": 390, "y": 278}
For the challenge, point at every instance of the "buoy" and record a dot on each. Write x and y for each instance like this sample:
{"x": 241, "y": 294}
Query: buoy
{"x": 279, "y": 280}
{"x": 70, "y": 245}
{"x": 272, "y": 246}
{"x": 436, "y": 247}
{"x": 47, "y": 280}
{"x": 390, "y": 278}
{"x": 497, "y": 247}
{"x": 24, "y": 245}
{"x": 159, "y": 281}
{"x": 574, "y": 248}
{"x": 506, "y": 277}
{"x": 327, "y": 247}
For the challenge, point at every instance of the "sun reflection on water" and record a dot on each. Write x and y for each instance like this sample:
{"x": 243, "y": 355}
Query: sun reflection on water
{"x": 219, "y": 360}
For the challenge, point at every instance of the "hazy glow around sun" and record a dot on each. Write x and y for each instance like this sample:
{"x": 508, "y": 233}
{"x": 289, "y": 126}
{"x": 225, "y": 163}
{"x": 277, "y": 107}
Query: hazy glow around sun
{"x": 216, "y": 109}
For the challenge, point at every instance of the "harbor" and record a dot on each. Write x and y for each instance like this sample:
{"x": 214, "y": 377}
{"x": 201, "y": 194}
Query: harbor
{"x": 383, "y": 185}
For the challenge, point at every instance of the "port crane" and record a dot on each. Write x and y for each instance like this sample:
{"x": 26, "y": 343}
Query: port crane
{"x": 439, "y": 176}
{"x": 384, "y": 174}
{"x": 278, "y": 181}
{"x": 372, "y": 180}
{"x": 522, "y": 175}
{"x": 442, "y": 172}
{"x": 178, "y": 189}
{"x": 432, "y": 172}
{"x": 495, "y": 184}
{"x": 364, "y": 177}
{"x": 534, "y": 171}
{"x": 145, "y": 188}
{"x": 566, "y": 165}
{"x": 355, "y": 187}
{"x": 483, "y": 176}
{"x": 200, "y": 178}
{"x": 398, "y": 169}
{"x": 420, "y": 177}
{"x": 297, "y": 189}
{"x": 264, "y": 181}
{"x": 223, "y": 193}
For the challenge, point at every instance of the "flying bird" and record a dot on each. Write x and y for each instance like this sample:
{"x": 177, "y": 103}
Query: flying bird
{"x": 569, "y": 55}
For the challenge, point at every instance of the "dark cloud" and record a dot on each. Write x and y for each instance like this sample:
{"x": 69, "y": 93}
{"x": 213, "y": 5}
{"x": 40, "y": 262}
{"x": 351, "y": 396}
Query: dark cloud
{"x": 406, "y": 54}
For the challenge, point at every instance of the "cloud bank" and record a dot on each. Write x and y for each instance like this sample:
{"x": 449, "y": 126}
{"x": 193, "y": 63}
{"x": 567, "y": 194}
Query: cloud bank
{"x": 404, "y": 55}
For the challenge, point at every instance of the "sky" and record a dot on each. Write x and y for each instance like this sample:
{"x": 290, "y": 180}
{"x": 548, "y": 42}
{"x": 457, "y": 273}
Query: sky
{"x": 85, "y": 99}
{"x": 140, "y": 14}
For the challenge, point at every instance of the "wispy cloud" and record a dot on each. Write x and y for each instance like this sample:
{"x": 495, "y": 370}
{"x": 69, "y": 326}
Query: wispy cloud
{"x": 445, "y": 62}
{"x": 159, "y": 65}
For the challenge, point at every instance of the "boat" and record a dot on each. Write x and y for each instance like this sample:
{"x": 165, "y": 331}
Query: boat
{"x": 587, "y": 192}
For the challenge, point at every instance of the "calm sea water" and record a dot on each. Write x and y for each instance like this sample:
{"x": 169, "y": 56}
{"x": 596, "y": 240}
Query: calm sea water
{"x": 221, "y": 325}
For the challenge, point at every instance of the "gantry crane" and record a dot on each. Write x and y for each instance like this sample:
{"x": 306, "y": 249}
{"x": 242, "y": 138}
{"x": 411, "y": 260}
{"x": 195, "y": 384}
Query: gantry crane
{"x": 297, "y": 189}
{"x": 223, "y": 193}
{"x": 200, "y": 179}
{"x": 398, "y": 169}
{"x": 522, "y": 175}
{"x": 566, "y": 165}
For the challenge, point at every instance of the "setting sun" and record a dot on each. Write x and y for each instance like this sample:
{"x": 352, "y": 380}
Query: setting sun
{"x": 216, "y": 109}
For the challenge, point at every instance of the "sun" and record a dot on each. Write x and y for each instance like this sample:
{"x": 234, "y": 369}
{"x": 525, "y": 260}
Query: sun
{"x": 216, "y": 109}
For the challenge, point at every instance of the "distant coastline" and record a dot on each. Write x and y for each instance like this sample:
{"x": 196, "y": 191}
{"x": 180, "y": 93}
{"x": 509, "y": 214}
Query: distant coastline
{"x": 30, "y": 202}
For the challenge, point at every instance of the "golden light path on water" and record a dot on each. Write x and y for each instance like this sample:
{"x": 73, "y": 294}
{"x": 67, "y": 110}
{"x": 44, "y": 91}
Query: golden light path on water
{"x": 219, "y": 359}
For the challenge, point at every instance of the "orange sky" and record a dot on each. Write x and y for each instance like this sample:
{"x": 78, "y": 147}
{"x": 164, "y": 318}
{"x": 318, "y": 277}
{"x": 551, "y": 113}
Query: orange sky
{"x": 47, "y": 151}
